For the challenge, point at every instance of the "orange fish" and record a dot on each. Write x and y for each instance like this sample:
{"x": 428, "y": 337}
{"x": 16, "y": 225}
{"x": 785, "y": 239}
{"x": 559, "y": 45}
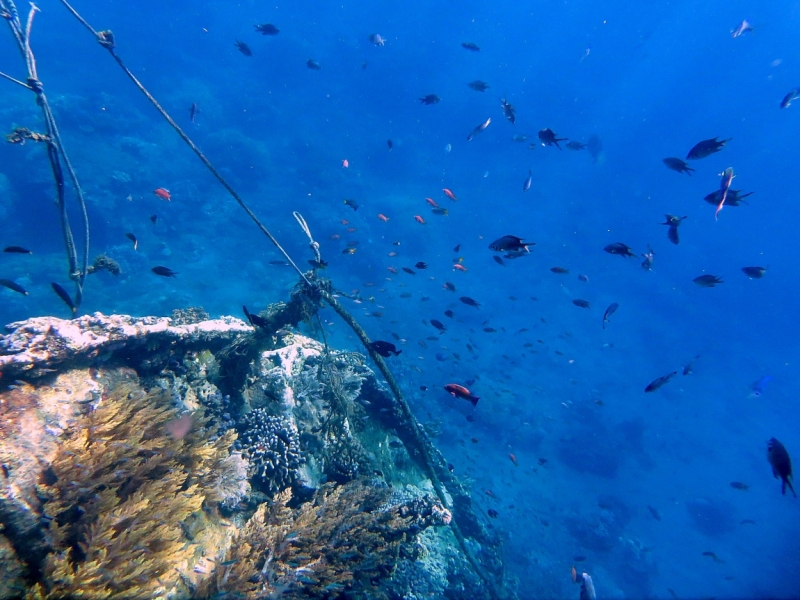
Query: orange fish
{"x": 383, "y": 217}
{"x": 335, "y": 236}
{"x": 459, "y": 267}
{"x": 432, "y": 202}
{"x": 163, "y": 193}
{"x": 419, "y": 219}
{"x": 352, "y": 229}
{"x": 345, "y": 163}
{"x": 449, "y": 194}
{"x": 513, "y": 459}
{"x": 344, "y": 222}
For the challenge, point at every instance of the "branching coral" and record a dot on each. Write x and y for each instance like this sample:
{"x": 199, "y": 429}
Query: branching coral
{"x": 120, "y": 492}
{"x": 272, "y": 446}
{"x": 348, "y": 540}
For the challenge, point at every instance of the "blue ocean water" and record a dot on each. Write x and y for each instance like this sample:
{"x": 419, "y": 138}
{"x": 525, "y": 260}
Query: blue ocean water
{"x": 637, "y": 483}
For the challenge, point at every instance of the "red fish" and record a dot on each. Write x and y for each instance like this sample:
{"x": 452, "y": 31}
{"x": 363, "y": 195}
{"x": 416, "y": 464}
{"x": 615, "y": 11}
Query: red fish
{"x": 335, "y": 236}
{"x": 513, "y": 459}
{"x": 383, "y": 217}
{"x": 491, "y": 494}
{"x": 459, "y": 267}
{"x": 344, "y": 222}
{"x": 419, "y": 219}
{"x": 449, "y": 194}
{"x": 163, "y": 193}
{"x": 432, "y": 202}
{"x": 459, "y": 391}
{"x": 352, "y": 229}
{"x": 345, "y": 163}
{"x": 392, "y": 269}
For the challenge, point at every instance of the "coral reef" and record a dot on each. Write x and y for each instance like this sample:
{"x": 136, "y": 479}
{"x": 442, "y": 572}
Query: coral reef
{"x": 45, "y": 342}
{"x": 121, "y": 482}
{"x": 346, "y": 542}
{"x": 272, "y": 447}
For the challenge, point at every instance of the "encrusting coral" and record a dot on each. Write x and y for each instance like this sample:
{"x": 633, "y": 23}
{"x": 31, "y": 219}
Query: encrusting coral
{"x": 347, "y": 541}
{"x": 124, "y": 495}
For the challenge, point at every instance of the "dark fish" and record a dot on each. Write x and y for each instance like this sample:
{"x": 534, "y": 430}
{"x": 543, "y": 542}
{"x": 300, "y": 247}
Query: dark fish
{"x": 790, "y": 97}
{"x": 657, "y": 383}
{"x": 430, "y": 99}
{"x": 65, "y": 297}
{"x": 267, "y": 29}
{"x": 754, "y": 272}
{"x": 459, "y": 391}
{"x": 421, "y": 265}
{"x": 351, "y": 203}
{"x": 492, "y": 513}
{"x": 390, "y": 144}
{"x": 706, "y": 148}
{"x": 469, "y": 301}
{"x": 781, "y": 464}
{"x": 449, "y": 313}
{"x": 516, "y": 254}
{"x": 244, "y": 48}
{"x": 478, "y": 85}
{"x": 579, "y": 558}
{"x": 648, "y": 256}
{"x": 740, "y": 29}
{"x": 193, "y": 111}
{"x": 713, "y": 557}
{"x": 707, "y": 281}
{"x": 490, "y": 329}
{"x": 508, "y": 110}
{"x": 470, "y": 46}
{"x": 16, "y": 250}
{"x": 499, "y": 260}
{"x": 409, "y": 271}
{"x": 163, "y": 271}
{"x": 583, "y": 277}
{"x": 440, "y": 211}
{"x": 734, "y": 197}
{"x": 738, "y": 485}
{"x": 747, "y": 522}
{"x": 349, "y": 250}
{"x": 510, "y": 243}
{"x": 478, "y": 129}
{"x": 14, "y": 286}
{"x": 559, "y": 270}
{"x": 385, "y": 349}
{"x": 595, "y": 147}
{"x": 424, "y": 388}
{"x": 548, "y": 138}
{"x": 313, "y": 65}
{"x": 581, "y": 303}
{"x": 673, "y": 222}
{"x": 575, "y": 146}
{"x": 654, "y": 512}
{"x": 612, "y": 308}
{"x": 527, "y": 185}
{"x": 255, "y": 320}
{"x": 619, "y": 249}
{"x": 153, "y": 219}
{"x": 449, "y": 286}
{"x": 439, "y": 325}
{"x": 132, "y": 238}
{"x": 676, "y": 164}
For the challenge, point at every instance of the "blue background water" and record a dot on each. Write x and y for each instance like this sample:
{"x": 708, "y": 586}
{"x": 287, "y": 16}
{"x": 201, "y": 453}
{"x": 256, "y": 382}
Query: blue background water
{"x": 657, "y": 79}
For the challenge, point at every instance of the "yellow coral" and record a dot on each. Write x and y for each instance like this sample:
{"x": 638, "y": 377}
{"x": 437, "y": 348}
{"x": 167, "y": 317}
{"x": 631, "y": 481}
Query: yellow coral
{"x": 121, "y": 491}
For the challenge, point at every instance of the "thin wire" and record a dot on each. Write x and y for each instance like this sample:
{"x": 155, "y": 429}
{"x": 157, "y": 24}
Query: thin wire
{"x": 17, "y": 81}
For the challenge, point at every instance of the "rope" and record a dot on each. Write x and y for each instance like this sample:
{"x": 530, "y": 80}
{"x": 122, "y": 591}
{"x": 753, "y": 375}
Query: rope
{"x": 311, "y": 243}
{"x": 421, "y": 445}
{"x": 17, "y": 81}
{"x": 106, "y": 40}
{"x": 55, "y": 147}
